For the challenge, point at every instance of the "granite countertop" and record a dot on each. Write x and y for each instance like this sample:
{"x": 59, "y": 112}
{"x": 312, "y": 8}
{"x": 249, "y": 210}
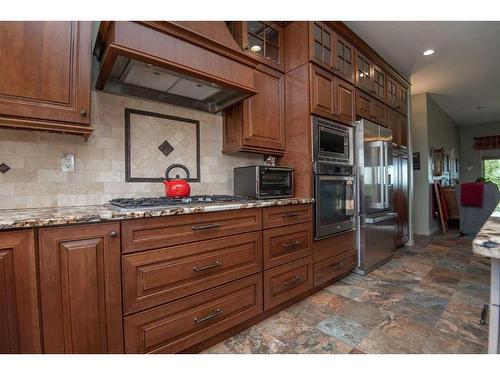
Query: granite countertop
{"x": 487, "y": 242}
{"x": 42, "y": 217}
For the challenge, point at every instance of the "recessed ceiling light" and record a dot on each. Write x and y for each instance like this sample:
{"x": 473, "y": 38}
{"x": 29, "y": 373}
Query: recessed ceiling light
{"x": 428, "y": 52}
{"x": 255, "y": 48}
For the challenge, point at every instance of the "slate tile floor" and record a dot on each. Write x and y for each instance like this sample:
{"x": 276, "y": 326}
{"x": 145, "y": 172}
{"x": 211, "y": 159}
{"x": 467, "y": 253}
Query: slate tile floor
{"x": 428, "y": 299}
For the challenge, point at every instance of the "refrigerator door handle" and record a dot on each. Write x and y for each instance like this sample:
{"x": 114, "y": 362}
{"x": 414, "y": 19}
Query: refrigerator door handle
{"x": 378, "y": 219}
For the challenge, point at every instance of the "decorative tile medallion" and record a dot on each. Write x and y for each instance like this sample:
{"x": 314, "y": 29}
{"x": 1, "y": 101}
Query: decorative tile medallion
{"x": 4, "y": 168}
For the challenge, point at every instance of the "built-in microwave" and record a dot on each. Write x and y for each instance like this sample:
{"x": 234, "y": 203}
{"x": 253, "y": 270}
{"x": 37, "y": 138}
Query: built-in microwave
{"x": 332, "y": 142}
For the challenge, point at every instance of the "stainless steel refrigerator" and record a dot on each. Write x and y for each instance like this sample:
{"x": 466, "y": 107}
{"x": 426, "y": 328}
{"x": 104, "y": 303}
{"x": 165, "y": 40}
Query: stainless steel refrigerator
{"x": 374, "y": 193}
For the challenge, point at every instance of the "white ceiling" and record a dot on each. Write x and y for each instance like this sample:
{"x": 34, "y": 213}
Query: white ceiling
{"x": 463, "y": 73}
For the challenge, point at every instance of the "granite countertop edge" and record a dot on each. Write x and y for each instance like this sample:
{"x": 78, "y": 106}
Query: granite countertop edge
{"x": 44, "y": 217}
{"x": 487, "y": 241}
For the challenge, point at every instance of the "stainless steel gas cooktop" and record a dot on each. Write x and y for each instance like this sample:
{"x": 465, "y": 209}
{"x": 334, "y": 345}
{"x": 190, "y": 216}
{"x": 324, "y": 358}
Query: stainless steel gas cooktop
{"x": 128, "y": 204}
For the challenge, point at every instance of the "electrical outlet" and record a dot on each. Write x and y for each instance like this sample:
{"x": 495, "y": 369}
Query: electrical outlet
{"x": 67, "y": 162}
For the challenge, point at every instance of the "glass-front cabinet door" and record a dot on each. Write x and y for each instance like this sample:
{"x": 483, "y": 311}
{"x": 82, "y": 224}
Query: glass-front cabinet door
{"x": 265, "y": 41}
{"x": 344, "y": 58}
{"x": 321, "y": 44}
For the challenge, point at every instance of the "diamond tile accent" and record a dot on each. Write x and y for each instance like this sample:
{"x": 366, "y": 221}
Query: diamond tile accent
{"x": 4, "y": 168}
{"x": 166, "y": 148}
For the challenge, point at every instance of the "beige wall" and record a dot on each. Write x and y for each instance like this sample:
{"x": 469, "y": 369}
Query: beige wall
{"x": 36, "y": 180}
{"x": 431, "y": 128}
{"x": 420, "y": 143}
{"x": 470, "y": 161}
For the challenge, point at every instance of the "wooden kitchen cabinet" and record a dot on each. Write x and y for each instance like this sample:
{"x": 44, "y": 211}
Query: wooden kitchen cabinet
{"x": 331, "y": 96}
{"x": 379, "y": 83}
{"x": 343, "y": 58}
{"x": 363, "y": 72}
{"x": 19, "y": 312}
{"x": 370, "y": 108}
{"x": 399, "y": 126}
{"x": 402, "y": 97}
{"x": 45, "y": 76}
{"x": 80, "y": 287}
{"x": 397, "y": 95}
{"x": 258, "y": 123}
{"x": 261, "y": 40}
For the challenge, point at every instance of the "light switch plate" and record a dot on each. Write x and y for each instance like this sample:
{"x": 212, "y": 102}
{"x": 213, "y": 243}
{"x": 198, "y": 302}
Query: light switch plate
{"x": 67, "y": 163}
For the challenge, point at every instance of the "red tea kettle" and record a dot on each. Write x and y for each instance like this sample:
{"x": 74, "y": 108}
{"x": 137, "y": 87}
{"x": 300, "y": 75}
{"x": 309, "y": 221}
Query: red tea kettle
{"x": 177, "y": 187}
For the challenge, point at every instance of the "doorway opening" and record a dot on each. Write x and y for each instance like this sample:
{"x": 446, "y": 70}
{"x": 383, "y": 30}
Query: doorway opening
{"x": 491, "y": 173}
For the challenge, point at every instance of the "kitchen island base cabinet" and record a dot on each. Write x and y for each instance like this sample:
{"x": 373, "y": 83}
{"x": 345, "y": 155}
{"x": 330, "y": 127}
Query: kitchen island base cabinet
{"x": 176, "y": 326}
{"x": 19, "y": 322}
{"x": 80, "y": 287}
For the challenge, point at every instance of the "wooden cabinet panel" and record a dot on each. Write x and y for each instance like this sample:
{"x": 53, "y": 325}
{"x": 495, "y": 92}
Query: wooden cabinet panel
{"x": 403, "y": 130}
{"x": 343, "y": 58}
{"x": 19, "y": 322}
{"x": 391, "y": 93}
{"x": 379, "y": 112}
{"x": 273, "y": 217}
{"x": 285, "y": 244}
{"x": 80, "y": 289}
{"x": 258, "y": 124}
{"x": 363, "y": 72}
{"x": 344, "y": 101}
{"x": 402, "y": 96}
{"x": 322, "y": 92}
{"x": 333, "y": 246}
{"x": 285, "y": 282}
{"x": 179, "y": 325}
{"x": 393, "y": 124}
{"x": 370, "y": 108}
{"x": 331, "y": 97}
{"x": 159, "y": 276}
{"x": 334, "y": 267}
{"x": 379, "y": 83}
{"x": 364, "y": 105}
{"x": 46, "y": 75}
{"x": 154, "y": 233}
{"x": 321, "y": 39}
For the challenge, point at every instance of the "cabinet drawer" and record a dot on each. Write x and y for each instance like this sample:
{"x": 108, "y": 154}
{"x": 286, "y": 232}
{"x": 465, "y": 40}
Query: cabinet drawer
{"x": 181, "y": 324}
{"x": 285, "y": 282}
{"x": 335, "y": 245}
{"x": 153, "y": 233}
{"x": 331, "y": 268}
{"x": 279, "y": 216}
{"x": 154, "y": 277}
{"x": 282, "y": 245}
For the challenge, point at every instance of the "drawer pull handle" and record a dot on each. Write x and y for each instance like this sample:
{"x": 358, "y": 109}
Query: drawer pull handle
{"x": 207, "y": 226}
{"x": 289, "y": 214}
{"x": 338, "y": 266}
{"x": 210, "y": 266}
{"x": 295, "y": 243}
{"x": 208, "y": 317}
{"x": 292, "y": 282}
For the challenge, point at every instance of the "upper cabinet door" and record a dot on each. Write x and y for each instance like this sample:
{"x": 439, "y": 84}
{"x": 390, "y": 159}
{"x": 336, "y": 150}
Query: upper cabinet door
{"x": 45, "y": 73}
{"x": 363, "y": 72}
{"x": 264, "y": 41}
{"x": 264, "y": 113}
{"x": 343, "y": 58}
{"x": 378, "y": 86}
{"x": 80, "y": 287}
{"x": 321, "y": 38}
{"x": 323, "y": 101}
{"x": 344, "y": 93}
{"x": 19, "y": 322}
{"x": 402, "y": 94}
{"x": 391, "y": 92}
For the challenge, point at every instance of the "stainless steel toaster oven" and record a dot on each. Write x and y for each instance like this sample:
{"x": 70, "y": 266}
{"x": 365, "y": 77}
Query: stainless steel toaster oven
{"x": 262, "y": 181}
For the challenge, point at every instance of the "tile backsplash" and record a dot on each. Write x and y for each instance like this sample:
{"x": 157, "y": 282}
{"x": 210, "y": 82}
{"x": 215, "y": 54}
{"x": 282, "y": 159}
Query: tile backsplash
{"x": 36, "y": 180}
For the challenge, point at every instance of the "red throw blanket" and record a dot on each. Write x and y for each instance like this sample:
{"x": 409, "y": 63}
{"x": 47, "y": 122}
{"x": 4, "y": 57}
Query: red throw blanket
{"x": 471, "y": 194}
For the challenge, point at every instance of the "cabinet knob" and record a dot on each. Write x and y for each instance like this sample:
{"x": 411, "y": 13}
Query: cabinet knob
{"x": 113, "y": 234}
{"x": 83, "y": 113}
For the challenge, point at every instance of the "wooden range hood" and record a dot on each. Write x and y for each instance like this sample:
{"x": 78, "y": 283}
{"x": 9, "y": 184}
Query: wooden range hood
{"x": 192, "y": 64}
